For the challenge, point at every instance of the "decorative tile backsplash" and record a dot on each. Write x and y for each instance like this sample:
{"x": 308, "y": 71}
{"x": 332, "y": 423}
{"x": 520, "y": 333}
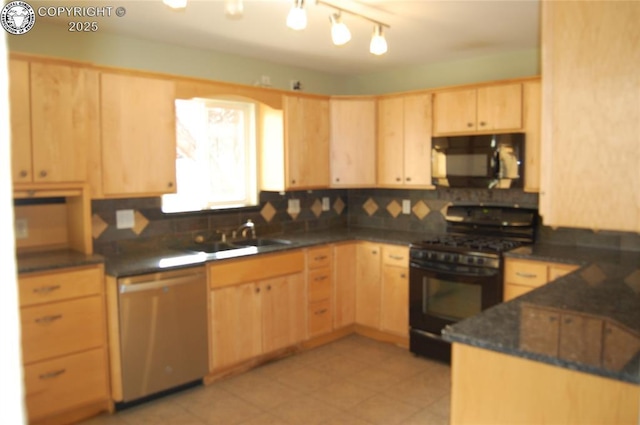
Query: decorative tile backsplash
{"x": 369, "y": 208}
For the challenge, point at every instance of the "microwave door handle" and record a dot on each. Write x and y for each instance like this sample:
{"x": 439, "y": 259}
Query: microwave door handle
{"x": 496, "y": 164}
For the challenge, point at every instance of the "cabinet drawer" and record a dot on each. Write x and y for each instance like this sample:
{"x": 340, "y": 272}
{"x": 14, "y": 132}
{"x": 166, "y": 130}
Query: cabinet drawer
{"x": 56, "y": 329}
{"x": 319, "y": 284}
{"x": 319, "y": 257}
{"x": 56, "y": 286}
{"x": 319, "y": 321}
{"x": 395, "y": 255}
{"x": 528, "y": 273}
{"x": 57, "y": 385}
{"x": 513, "y": 291}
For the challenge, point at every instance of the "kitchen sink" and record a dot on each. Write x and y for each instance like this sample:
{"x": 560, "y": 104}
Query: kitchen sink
{"x": 210, "y": 247}
{"x": 261, "y": 242}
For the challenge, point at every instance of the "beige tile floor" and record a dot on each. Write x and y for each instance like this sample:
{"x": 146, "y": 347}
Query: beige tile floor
{"x": 354, "y": 381}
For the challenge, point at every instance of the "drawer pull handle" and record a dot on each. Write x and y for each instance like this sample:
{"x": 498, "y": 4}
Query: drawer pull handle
{"x": 53, "y": 374}
{"x": 46, "y": 289}
{"x": 320, "y": 278}
{"x": 403, "y": 275}
{"x": 527, "y": 275}
{"x": 48, "y": 319}
{"x": 396, "y": 257}
{"x": 321, "y": 257}
{"x": 319, "y": 312}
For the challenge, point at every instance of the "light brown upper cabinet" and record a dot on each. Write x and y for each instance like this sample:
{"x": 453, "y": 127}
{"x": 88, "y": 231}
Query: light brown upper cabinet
{"x": 53, "y": 117}
{"x": 138, "y": 143}
{"x": 306, "y": 135}
{"x": 353, "y": 142}
{"x": 590, "y": 153}
{"x": 478, "y": 110}
{"x": 404, "y": 141}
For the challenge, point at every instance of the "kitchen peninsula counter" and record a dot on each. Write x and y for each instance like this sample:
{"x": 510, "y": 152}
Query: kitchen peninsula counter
{"x": 567, "y": 352}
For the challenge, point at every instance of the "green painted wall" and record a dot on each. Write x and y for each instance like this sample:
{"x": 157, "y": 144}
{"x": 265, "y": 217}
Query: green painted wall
{"x": 128, "y": 52}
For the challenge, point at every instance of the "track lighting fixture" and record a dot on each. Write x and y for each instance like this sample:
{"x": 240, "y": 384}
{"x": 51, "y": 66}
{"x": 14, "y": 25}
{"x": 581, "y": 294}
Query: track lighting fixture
{"x": 175, "y": 4}
{"x": 340, "y": 34}
{"x": 233, "y": 8}
{"x": 297, "y": 18}
{"x": 378, "y": 44}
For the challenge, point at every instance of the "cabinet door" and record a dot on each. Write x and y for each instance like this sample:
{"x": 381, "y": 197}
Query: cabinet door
{"x": 499, "y": 107}
{"x": 63, "y": 120}
{"x": 417, "y": 140}
{"x": 20, "y": 108}
{"x": 454, "y": 112}
{"x": 306, "y": 142}
{"x": 368, "y": 285}
{"x": 391, "y": 141}
{"x": 591, "y": 117}
{"x": 138, "y": 135}
{"x": 236, "y": 324}
{"x": 353, "y": 142}
{"x": 395, "y": 300}
{"x": 282, "y": 312}
{"x": 580, "y": 338}
{"x": 345, "y": 285}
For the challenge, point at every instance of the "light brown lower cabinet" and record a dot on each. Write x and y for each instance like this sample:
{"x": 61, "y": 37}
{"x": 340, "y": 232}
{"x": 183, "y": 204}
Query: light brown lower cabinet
{"x": 319, "y": 290}
{"x": 522, "y": 276}
{"x": 368, "y": 284}
{"x": 64, "y": 344}
{"x": 344, "y": 267}
{"x": 256, "y": 307}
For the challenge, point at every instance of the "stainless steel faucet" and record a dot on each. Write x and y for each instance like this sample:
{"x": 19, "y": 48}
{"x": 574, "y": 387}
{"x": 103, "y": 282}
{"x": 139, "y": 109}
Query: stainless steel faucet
{"x": 249, "y": 225}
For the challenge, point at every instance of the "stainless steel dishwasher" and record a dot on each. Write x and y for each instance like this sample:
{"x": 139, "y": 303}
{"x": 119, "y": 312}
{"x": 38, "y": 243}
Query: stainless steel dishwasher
{"x": 163, "y": 331}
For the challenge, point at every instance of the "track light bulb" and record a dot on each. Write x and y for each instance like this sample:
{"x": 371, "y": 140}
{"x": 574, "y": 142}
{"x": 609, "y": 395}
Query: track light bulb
{"x": 175, "y": 4}
{"x": 297, "y": 18}
{"x": 233, "y": 8}
{"x": 378, "y": 44}
{"x": 340, "y": 34}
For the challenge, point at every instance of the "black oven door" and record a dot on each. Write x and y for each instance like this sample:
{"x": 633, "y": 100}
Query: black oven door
{"x": 441, "y": 293}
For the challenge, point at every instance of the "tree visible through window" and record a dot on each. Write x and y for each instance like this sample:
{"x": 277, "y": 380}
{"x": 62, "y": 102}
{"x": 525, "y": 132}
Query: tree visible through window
{"x": 216, "y": 156}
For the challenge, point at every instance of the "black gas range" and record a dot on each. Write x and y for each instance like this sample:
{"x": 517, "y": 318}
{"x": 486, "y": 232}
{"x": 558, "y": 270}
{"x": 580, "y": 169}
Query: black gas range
{"x": 459, "y": 274}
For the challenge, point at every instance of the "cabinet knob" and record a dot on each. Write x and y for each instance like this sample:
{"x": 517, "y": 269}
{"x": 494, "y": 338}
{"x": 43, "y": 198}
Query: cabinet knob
{"x": 374, "y": 252}
{"x": 408, "y": 179}
{"x": 403, "y": 275}
{"x": 257, "y": 290}
{"x": 337, "y": 179}
{"x": 24, "y": 173}
{"x": 170, "y": 184}
{"x": 482, "y": 123}
{"x": 268, "y": 287}
{"x": 469, "y": 124}
{"x": 293, "y": 182}
{"x": 398, "y": 179}
{"x": 43, "y": 173}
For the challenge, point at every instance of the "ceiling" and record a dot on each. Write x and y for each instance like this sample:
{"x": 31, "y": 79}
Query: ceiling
{"x": 421, "y": 31}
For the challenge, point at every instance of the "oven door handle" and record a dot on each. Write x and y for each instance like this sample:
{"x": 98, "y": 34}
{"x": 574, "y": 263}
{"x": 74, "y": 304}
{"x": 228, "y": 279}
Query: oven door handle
{"x": 456, "y": 270}
{"x": 424, "y": 295}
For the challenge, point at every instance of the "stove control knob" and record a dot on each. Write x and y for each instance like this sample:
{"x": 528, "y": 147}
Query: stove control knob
{"x": 470, "y": 260}
{"x": 480, "y": 261}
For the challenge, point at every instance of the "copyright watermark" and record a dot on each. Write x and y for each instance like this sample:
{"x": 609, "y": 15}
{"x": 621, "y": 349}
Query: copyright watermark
{"x": 18, "y": 17}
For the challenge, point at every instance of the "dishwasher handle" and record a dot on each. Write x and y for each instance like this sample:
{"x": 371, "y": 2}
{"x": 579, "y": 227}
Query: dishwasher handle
{"x": 150, "y": 285}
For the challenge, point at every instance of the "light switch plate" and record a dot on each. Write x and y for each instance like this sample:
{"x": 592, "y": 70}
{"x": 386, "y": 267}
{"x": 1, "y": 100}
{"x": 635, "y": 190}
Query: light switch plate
{"x": 326, "y": 203}
{"x": 21, "y": 228}
{"x": 406, "y": 206}
{"x": 125, "y": 219}
{"x": 294, "y": 206}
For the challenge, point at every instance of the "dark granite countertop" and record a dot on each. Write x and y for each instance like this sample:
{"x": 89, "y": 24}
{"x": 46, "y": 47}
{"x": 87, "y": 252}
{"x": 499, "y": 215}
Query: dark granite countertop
{"x": 588, "y": 320}
{"x": 134, "y": 263}
{"x": 54, "y": 259}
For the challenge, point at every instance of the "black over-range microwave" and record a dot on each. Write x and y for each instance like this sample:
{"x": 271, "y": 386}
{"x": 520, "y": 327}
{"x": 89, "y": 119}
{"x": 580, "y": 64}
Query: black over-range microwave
{"x": 493, "y": 161}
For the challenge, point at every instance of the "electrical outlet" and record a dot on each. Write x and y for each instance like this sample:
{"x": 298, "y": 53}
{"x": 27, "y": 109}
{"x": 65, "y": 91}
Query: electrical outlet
{"x": 295, "y": 85}
{"x": 406, "y": 206}
{"x": 325, "y": 203}
{"x": 294, "y": 206}
{"x": 21, "y": 228}
{"x": 125, "y": 219}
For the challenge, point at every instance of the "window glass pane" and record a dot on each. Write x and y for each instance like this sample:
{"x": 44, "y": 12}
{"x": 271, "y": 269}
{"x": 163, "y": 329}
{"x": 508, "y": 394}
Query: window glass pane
{"x": 216, "y": 152}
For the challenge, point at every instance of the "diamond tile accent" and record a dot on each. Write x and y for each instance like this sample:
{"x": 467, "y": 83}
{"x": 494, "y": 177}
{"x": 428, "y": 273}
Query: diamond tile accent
{"x": 420, "y": 209}
{"x": 316, "y": 208}
{"x": 268, "y": 212}
{"x": 394, "y": 208}
{"x": 370, "y": 206}
{"x": 593, "y": 275}
{"x": 141, "y": 222}
{"x": 338, "y": 206}
{"x": 98, "y": 226}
